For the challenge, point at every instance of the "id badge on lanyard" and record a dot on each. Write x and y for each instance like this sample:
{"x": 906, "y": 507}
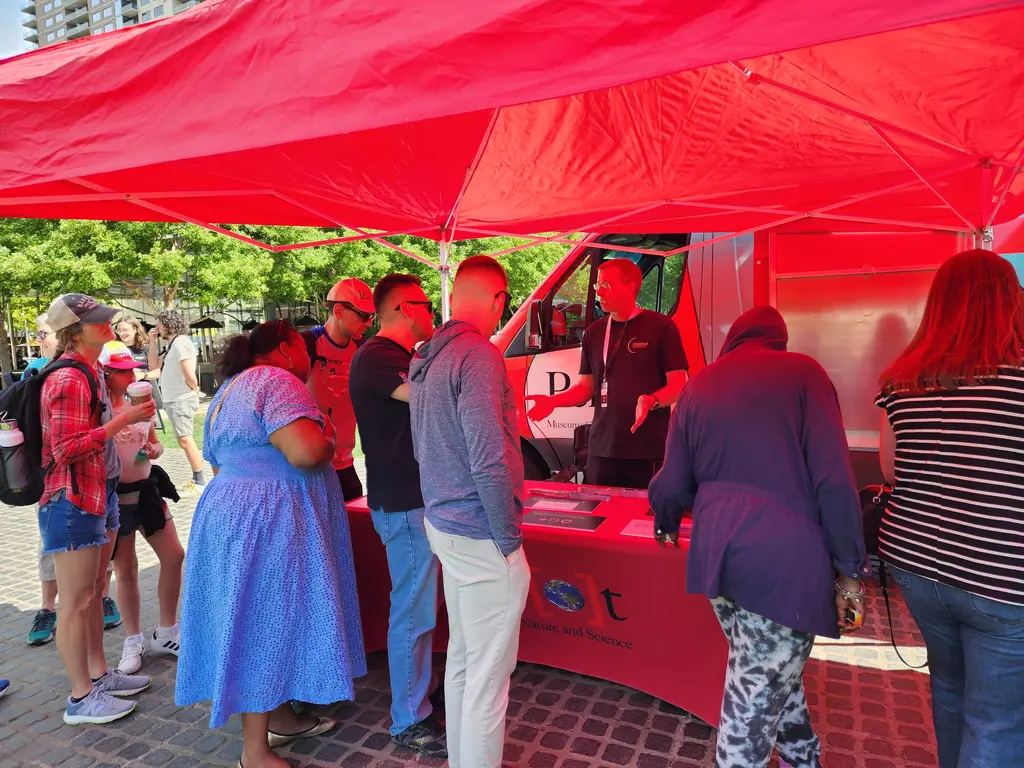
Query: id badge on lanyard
{"x": 607, "y": 340}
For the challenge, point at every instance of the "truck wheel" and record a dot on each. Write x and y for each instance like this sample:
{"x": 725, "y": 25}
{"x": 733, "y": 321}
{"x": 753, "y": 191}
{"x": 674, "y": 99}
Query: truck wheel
{"x": 534, "y": 466}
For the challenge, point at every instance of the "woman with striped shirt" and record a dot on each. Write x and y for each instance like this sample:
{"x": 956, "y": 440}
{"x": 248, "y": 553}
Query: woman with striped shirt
{"x": 952, "y": 442}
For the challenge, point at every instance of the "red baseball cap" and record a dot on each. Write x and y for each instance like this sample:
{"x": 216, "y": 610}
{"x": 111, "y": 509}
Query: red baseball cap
{"x": 116, "y": 355}
{"x": 354, "y": 292}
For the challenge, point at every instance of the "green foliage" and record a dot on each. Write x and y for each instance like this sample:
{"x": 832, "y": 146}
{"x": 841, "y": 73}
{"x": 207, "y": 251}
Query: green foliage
{"x": 41, "y": 259}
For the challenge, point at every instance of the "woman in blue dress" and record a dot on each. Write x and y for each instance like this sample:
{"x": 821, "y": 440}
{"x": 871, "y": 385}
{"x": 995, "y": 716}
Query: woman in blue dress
{"x": 269, "y": 609}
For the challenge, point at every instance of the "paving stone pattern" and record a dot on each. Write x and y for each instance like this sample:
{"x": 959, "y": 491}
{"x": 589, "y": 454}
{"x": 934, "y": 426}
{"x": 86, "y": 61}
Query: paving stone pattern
{"x": 869, "y": 710}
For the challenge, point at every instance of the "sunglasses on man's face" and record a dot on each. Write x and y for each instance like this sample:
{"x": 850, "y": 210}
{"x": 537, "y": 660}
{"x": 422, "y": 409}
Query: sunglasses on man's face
{"x": 366, "y": 317}
{"x": 428, "y": 304}
{"x": 508, "y": 299}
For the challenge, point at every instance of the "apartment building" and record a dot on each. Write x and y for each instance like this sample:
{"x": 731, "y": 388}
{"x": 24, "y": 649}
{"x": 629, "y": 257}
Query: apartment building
{"x": 53, "y": 21}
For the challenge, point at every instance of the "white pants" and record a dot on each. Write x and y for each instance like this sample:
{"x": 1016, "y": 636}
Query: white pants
{"x": 485, "y": 596}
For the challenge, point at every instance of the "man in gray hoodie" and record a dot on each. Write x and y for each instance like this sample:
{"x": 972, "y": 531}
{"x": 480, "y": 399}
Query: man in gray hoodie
{"x": 465, "y": 439}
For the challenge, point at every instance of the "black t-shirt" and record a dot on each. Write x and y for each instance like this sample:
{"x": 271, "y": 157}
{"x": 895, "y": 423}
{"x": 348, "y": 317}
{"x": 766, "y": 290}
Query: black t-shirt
{"x": 640, "y": 352}
{"x": 379, "y": 367}
{"x": 140, "y": 355}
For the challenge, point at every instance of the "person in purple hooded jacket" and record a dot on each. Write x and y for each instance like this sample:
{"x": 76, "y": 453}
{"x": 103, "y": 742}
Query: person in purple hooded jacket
{"x": 756, "y": 449}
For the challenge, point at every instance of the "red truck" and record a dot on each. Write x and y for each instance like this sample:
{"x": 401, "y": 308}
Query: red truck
{"x": 852, "y": 300}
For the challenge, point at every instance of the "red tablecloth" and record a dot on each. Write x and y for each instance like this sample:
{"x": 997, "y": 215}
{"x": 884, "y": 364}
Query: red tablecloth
{"x": 601, "y": 603}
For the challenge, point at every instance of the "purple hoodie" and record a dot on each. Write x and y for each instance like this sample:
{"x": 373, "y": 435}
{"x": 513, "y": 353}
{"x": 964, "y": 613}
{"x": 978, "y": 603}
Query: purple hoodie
{"x": 756, "y": 448}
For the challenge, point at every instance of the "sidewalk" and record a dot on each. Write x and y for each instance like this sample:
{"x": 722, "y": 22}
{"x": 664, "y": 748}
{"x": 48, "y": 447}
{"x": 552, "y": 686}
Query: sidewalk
{"x": 869, "y": 710}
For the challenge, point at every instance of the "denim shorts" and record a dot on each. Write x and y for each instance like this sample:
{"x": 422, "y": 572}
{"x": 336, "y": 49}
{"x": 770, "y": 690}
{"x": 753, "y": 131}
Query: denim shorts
{"x": 65, "y": 527}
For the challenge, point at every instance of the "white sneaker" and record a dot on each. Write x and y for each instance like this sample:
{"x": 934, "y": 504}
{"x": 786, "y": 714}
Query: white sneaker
{"x": 131, "y": 656}
{"x": 190, "y": 490}
{"x": 166, "y": 645}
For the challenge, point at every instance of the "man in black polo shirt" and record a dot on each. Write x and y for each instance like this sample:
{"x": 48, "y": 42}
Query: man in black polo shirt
{"x": 633, "y": 368}
{"x": 380, "y": 398}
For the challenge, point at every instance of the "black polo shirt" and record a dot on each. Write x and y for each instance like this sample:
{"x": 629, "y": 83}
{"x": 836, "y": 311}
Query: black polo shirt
{"x": 640, "y": 352}
{"x": 379, "y": 367}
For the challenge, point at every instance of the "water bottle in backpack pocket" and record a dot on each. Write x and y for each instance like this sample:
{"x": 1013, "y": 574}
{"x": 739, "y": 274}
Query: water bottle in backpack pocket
{"x": 14, "y": 458}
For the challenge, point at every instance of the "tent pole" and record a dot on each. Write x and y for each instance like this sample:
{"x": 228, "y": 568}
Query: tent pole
{"x": 445, "y": 270}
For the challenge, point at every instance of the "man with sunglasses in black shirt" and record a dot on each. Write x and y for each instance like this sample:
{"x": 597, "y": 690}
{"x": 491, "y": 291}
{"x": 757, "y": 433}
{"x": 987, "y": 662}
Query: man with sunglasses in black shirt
{"x": 331, "y": 348}
{"x": 380, "y": 396}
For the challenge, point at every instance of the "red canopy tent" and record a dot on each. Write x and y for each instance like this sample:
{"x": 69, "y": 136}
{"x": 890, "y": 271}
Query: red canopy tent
{"x": 456, "y": 118}
{"x": 1009, "y": 237}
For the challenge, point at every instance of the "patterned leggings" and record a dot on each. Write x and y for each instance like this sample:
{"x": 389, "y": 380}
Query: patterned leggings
{"x": 764, "y": 704}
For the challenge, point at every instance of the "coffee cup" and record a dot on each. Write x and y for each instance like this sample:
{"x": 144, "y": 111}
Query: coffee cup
{"x": 140, "y": 392}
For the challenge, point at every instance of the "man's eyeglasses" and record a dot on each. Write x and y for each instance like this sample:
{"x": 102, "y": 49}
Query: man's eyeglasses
{"x": 508, "y": 299}
{"x": 605, "y": 285}
{"x": 366, "y": 317}
{"x": 428, "y": 304}
{"x": 41, "y": 335}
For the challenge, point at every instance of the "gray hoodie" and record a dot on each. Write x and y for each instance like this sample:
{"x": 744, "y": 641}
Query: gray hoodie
{"x": 465, "y": 437}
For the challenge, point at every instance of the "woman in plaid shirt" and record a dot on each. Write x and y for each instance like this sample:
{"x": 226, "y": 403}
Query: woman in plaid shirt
{"x": 78, "y": 512}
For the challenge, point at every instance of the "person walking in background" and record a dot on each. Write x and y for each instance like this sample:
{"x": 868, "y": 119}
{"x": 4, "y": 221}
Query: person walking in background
{"x": 270, "y": 611}
{"x": 466, "y": 440}
{"x": 380, "y": 397}
{"x": 331, "y": 348}
{"x": 756, "y": 448}
{"x": 179, "y": 387}
{"x": 952, "y": 443}
{"x": 78, "y": 510}
{"x": 141, "y": 504}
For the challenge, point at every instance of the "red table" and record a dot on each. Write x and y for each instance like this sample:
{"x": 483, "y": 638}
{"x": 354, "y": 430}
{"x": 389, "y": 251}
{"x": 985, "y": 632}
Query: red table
{"x": 601, "y": 603}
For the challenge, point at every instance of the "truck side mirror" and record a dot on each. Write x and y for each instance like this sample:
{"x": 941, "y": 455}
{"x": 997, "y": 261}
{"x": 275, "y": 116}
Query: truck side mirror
{"x": 534, "y": 336}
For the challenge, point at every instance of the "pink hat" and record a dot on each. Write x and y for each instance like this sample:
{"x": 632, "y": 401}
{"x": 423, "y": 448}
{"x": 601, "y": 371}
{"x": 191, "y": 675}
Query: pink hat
{"x": 354, "y": 292}
{"x": 116, "y": 355}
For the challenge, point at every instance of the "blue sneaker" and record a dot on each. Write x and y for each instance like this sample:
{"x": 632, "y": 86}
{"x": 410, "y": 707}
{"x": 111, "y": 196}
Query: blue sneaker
{"x": 117, "y": 683}
{"x": 111, "y": 616}
{"x": 98, "y": 707}
{"x": 44, "y": 626}
{"x": 5, "y": 686}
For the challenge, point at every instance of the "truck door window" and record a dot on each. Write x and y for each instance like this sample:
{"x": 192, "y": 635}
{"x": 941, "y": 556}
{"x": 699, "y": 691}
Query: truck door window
{"x": 568, "y": 309}
{"x": 663, "y": 275}
{"x": 650, "y": 290}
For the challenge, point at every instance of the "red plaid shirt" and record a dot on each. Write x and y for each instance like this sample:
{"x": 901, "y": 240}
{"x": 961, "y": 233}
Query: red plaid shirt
{"x": 73, "y": 440}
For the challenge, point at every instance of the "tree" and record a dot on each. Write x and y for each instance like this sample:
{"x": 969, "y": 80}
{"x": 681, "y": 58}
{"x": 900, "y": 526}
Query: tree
{"x": 15, "y": 277}
{"x": 166, "y": 263}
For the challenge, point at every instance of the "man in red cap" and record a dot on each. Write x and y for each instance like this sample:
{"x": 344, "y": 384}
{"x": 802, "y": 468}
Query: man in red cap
{"x": 331, "y": 348}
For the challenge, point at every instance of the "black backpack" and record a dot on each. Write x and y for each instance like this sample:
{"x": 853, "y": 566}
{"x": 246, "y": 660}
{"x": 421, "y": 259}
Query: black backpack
{"x": 20, "y": 402}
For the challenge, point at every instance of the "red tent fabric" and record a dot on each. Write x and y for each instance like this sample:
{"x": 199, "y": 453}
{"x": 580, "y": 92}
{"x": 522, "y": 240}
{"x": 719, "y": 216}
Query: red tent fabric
{"x": 521, "y": 116}
{"x": 1009, "y": 237}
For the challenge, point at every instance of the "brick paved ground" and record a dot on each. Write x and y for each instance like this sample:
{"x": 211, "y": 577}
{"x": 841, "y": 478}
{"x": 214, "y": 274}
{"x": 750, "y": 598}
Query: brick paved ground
{"x": 869, "y": 710}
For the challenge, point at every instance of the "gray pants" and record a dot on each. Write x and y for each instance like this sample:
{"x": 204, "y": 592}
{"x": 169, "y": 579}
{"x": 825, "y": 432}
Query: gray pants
{"x": 764, "y": 704}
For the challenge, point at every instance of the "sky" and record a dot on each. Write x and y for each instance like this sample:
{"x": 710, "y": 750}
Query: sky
{"x": 11, "y": 31}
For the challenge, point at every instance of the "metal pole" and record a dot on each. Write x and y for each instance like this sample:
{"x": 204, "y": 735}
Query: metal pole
{"x": 446, "y": 309}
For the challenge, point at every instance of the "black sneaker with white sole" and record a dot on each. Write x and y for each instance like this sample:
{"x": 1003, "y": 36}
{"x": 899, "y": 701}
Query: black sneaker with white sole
{"x": 426, "y": 737}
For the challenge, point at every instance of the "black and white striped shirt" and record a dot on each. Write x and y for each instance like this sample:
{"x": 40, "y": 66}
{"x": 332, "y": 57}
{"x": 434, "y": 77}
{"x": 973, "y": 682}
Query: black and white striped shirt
{"x": 957, "y": 513}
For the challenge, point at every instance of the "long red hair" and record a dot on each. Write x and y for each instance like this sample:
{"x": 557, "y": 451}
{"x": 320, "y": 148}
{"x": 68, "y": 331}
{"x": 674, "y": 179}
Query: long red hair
{"x": 973, "y": 323}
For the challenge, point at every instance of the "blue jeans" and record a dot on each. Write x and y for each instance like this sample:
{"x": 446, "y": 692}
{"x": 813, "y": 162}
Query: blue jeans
{"x": 414, "y": 572}
{"x": 976, "y": 658}
{"x": 65, "y": 527}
